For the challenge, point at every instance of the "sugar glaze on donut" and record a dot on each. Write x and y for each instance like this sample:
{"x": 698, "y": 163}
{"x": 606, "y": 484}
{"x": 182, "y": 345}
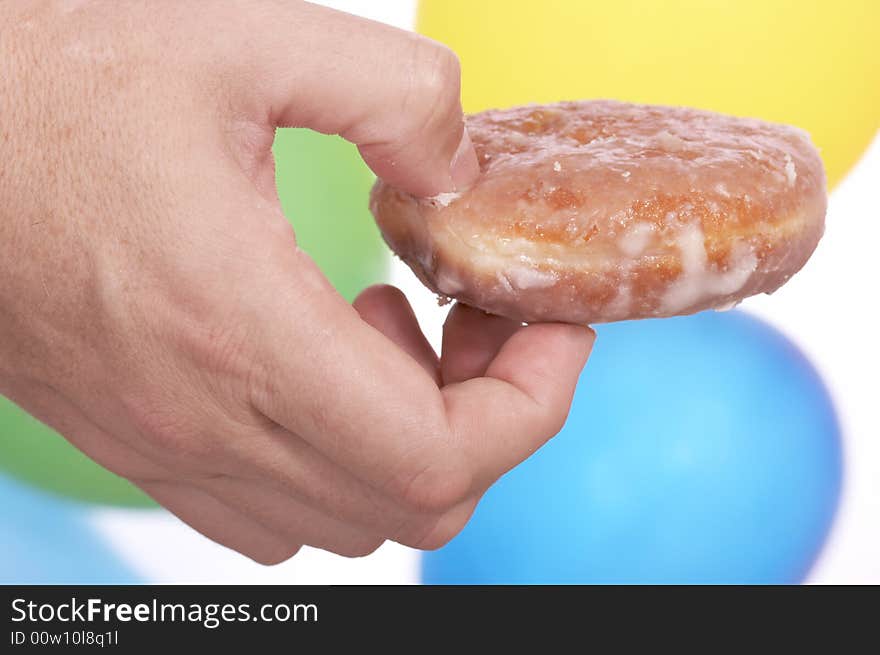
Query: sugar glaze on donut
{"x": 597, "y": 211}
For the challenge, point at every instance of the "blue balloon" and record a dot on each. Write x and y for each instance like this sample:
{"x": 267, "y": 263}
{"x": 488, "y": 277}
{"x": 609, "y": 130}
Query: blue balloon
{"x": 700, "y": 449}
{"x": 47, "y": 540}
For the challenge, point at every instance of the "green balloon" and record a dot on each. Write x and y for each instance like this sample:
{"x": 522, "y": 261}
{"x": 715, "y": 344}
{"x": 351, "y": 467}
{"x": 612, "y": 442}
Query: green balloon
{"x": 33, "y": 452}
{"x": 323, "y": 185}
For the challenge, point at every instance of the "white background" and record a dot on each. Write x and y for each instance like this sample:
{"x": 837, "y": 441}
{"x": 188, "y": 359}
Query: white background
{"x": 828, "y": 309}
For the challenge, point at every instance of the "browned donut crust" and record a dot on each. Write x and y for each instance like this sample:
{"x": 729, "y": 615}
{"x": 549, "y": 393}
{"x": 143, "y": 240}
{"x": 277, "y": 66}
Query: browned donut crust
{"x": 598, "y": 211}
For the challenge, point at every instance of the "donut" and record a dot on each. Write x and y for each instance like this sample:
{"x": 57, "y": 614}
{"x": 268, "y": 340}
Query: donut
{"x": 597, "y": 211}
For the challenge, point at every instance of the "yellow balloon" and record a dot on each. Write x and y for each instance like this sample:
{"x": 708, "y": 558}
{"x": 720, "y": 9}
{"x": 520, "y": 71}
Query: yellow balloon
{"x": 810, "y": 63}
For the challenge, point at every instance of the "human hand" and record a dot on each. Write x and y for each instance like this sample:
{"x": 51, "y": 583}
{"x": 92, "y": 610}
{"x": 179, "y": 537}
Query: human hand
{"x": 155, "y": 308}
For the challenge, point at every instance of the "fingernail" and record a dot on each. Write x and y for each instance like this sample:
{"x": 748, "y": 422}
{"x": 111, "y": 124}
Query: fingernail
{"x": 464, "y": 168}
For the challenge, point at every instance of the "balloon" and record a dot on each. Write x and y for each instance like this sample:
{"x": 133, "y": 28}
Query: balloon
{"x": 34, "y": 453}
{"x": 324, "y": 185}
{"x": 700, "y": 449}
{"x": 811, "y": 64}
{"x": 45, "y": 540}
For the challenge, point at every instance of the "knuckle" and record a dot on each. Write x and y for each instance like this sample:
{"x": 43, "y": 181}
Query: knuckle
{"x": 167, "y": 431}
{"x": 557, "y": 422}
{"x": 273, "y": 556}
{"x": 439, "y": 72}
{"x": 440, "y": 533}
{"x": 436, "y": 82}
{"x": 554, "y": 420}
{"x": 436, "y": 539}
{"x": 544, "y": 412}
{"x": 388, "y": 292}
{"x": 359, "y": 548}
{"x": 415, "y": 529}
{"x": 431, "y": 489}
{"x": 434, "y": 475}
{"x": 557, "y": 410}
{"x": 220, "y": 348}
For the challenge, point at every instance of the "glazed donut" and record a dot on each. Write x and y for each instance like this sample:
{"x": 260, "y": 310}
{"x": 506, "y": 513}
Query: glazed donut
{"x": 588, "y": 212}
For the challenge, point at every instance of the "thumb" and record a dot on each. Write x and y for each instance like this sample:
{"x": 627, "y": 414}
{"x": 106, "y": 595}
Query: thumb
{"x": 393, "y": 93}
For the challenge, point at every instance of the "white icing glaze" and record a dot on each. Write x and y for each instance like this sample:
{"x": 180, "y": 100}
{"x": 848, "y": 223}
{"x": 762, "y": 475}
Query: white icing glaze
{"x": 790, "y": 170}
{"x": 696, "y": 281}
{"x": 726, "y": 307}
{"x": 505, "y": 283}
{"x": 621, "y": 303}
{"x": 633, "y": 242}
{"x": 425, "y": 259}
{"x": 443, "y": 199}
{"x": 670, "y": 142}
{"x": 580, "y": 218}
{"x": 526, "y": 277}
{"x": 447, "y": 283}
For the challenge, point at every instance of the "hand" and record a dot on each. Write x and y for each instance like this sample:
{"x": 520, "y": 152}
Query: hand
{"x": 155, "y": 308}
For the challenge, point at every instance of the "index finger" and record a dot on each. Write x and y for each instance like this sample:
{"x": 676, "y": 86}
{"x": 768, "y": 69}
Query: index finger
{"x": 361, "y": 400}
{"x": 393, "y": 93}
{"x": 522, "y": 400}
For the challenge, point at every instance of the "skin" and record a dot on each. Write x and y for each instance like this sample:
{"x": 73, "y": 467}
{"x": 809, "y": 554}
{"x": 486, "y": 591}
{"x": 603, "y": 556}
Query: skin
{"x": 155, "y": 308}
